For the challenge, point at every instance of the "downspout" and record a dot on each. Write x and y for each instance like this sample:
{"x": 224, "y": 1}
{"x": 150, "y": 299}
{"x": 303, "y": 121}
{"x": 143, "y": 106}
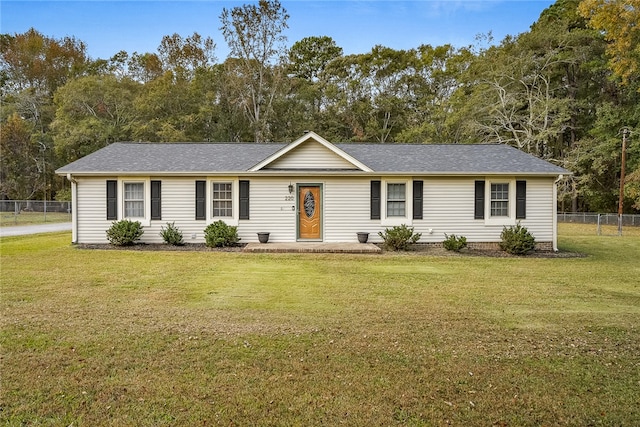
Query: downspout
{"x": 555, "y": 212}
{"x": 74, "y": 208}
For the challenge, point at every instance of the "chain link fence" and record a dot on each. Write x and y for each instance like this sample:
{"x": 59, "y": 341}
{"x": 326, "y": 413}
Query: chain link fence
{"x": 600, "y": 218}
{"x": 25, "y": 212}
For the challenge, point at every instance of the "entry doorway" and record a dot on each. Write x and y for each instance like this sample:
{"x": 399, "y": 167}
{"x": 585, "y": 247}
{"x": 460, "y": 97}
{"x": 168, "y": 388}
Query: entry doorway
{"x": 310, "y": 212}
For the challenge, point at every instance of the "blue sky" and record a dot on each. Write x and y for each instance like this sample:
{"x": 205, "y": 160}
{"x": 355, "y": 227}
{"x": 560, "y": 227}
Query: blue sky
{"x": 356, "y": 25}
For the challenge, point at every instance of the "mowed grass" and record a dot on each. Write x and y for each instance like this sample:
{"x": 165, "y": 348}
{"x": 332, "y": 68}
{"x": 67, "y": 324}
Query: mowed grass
{"x": 8, "y": 219}
{"x": 119, "y": 338}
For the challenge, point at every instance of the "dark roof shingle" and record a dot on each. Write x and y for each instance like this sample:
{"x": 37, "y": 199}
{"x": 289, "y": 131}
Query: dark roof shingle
{"x": 156, "y": 158}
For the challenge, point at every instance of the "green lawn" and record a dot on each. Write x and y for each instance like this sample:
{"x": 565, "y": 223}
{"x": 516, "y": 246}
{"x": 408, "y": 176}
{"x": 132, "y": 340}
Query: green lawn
{"x": 120, "y": 338}
{"x": 8, "y": 219}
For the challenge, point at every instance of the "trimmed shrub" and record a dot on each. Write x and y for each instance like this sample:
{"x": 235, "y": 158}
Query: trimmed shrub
{"x": 454, "y": 243}
{"x": 399, "y": 238}
{"x": 219, "y": 234}
{"x": 517, "y": 240}
{"x": 125, "y": 232}
{"x": 172, "y": 235}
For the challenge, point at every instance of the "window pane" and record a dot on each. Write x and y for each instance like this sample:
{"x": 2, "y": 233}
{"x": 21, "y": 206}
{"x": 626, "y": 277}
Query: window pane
{"x": 222, "y": 199}
{"x": 133, "y": 209}
{"x": 134, "y": 200}
{"x": 134, "y": 191}
{"x": 499, "y": 199}
{"x": 396, "y": 199}
{"x": 395, "y": 209}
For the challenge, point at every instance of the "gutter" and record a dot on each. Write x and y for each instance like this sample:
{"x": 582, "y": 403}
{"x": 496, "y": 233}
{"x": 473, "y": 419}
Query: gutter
{"x": 555, "y": 212}
{"x": 74, "y": 208}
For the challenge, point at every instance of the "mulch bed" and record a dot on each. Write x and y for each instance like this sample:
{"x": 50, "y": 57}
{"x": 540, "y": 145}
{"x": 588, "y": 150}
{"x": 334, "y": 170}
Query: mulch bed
{"x": 426, "y": 250}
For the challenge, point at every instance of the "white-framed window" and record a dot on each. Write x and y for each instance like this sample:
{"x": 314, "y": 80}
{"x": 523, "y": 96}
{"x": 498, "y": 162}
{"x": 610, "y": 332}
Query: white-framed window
{"x": 134, "y": 200}
{"x": 500, "y": 201}
{"x": 222, "y": 199}
{"x": 499, "y": 206}
{"x": 396, "y": 199}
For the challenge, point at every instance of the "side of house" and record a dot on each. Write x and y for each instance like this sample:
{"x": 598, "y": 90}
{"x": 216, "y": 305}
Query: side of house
{"x": 433, "y": 205}
{"x": 312, "y": 190}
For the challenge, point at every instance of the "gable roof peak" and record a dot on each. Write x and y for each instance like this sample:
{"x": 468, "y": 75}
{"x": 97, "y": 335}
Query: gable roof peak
{"x": 311, "y": 136}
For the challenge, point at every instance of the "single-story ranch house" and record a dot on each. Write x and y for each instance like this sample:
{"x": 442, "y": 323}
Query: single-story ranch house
{"x": 314, "y": 190}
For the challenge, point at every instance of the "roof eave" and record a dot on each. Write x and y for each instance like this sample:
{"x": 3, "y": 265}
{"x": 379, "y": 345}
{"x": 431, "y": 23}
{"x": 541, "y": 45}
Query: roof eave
{"x": 306, "y": 172}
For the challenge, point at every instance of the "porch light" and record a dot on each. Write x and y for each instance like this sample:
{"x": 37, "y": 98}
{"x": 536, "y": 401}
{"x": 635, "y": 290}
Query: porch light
{"x": 290, "y": 188}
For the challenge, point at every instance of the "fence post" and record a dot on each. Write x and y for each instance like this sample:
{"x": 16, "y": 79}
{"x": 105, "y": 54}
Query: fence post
{"x": 598, "y": 228}
{"x": 45, "y": 210}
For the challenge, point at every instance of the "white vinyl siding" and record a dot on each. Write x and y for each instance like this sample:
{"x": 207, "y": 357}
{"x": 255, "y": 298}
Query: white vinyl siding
{"x": 311, "y": 155}
{"x": 448, "y": 208}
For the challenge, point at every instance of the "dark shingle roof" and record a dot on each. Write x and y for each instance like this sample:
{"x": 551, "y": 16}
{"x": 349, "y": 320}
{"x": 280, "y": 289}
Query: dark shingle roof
{"x": 462, "y": 159}
{"x": 449, "y": 158}
{"x": 172, "y": 157}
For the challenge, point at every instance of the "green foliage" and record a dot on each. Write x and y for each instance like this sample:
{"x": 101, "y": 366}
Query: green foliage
{"x": 63, "y": 195}
{"x": 399, "y": 238}
{"x": 219, "y": 234}
{"x": 454, "y": 243}
{"x": 555, "y": 85}
{"x": 21, "y": 175}
{"x": 125, "y": 232}
{"x": 517, "y": 240}
{"x": 172, "y": 235}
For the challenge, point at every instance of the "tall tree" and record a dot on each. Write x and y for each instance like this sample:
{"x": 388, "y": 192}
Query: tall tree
{"x": 92, "y": 112}
{"x": 184, "y": 56}
{"x": 165, "y": 110}
{"x": 309, "y": 57}
{"x": 23, "y": 163}
{"x": 254, "y": 35}
{"x": 619, "y": 20}
{"x": 34, "y": 61}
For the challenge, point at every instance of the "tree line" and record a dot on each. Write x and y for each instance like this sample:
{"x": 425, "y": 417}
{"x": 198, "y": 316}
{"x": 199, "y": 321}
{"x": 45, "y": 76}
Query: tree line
{"x": 562, "y": 91}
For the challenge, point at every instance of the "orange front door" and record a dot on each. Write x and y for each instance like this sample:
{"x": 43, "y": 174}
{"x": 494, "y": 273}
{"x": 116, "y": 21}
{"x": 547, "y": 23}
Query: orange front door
{"x": 309, "y": 212}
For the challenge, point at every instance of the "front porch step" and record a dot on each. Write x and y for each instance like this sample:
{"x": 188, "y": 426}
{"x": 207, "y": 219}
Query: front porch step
{"x": 313, "y": 247}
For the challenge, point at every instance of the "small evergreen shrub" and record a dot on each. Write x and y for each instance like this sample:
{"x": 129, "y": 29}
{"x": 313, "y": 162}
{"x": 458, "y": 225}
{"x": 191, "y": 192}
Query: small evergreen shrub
{"x": 172, "y": 235}
{"x": 454, "y": 243}
{"x": 517, "y": 240}
{"x": 219, "y": 234}
{"x": 124, "y": 232}
{"x": 399, "y": 238}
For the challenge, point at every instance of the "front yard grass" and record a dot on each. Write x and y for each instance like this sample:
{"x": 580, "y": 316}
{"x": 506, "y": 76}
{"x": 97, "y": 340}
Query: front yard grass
{"x": 119, "y": 338}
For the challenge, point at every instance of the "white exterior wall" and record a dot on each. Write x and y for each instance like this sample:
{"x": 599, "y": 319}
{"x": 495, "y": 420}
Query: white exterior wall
{"x": 91, "y": 211}
{"x": 310, "y": 155}
{"x": 448, "y": 208}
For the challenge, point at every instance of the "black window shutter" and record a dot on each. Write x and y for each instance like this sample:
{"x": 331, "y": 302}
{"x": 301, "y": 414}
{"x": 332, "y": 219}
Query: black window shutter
{"x": 244, "y": 200}
{"x": 521, "y": 199}
{"x": 156, "y": 199}
{"x": 201, "y": 197}
{"x": 417, "y": 199}
{"x": 479, "y": 200}
{"x": 112, "y": 200}
{"x": 375, "y": 199}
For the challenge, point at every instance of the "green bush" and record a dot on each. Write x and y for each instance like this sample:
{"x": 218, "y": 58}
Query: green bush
{"x": 399, "y": 238}
{"x": 172, "y": 235}
{"x": 454, "y": 243}
{"x": 219, "y": 234}
{"x": 125, "y": 232}
{"x": 517, "y": 240}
